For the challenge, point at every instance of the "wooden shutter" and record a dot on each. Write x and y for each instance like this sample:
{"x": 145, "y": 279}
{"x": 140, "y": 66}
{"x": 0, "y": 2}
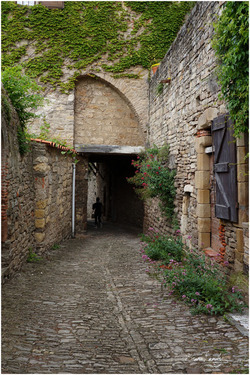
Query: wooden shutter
{"x": 225, "y": 169}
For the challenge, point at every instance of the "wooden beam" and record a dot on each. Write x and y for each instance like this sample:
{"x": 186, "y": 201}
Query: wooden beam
{"x": 108, "y": 149}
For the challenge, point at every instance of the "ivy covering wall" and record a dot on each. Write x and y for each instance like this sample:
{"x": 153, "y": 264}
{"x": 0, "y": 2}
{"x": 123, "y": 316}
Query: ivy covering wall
{"x": 108, "y": 35}
{"x": 231, "y": 44}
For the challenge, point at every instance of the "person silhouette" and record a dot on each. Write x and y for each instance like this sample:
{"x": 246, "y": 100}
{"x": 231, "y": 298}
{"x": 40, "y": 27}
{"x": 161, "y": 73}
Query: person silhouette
{"x": 97, "y": 207}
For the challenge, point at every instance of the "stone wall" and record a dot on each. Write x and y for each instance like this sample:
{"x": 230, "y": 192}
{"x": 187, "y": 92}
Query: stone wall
{"x": 36, "y": 196}
{"x": 53, "y": 195}
{"x": 182, "y": 104}
{"x": 102, "y": 116}
{"x": 18, "y": 194}
{"x": 59, "y": 109}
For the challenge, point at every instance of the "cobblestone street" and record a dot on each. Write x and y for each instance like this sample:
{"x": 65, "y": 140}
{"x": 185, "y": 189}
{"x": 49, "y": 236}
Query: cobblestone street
{"x": 90, "y": 307}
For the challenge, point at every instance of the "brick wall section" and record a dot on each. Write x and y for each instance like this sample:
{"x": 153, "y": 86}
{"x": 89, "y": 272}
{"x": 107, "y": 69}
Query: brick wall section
{"x": 18, "y": 193}
{"x": 181, "y": 116}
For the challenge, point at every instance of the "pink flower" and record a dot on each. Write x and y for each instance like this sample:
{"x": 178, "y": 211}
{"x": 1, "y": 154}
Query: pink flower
{"x": 209, "y": 306}
{"x": 197, "y": 293}
{"x": 184, "y": 296}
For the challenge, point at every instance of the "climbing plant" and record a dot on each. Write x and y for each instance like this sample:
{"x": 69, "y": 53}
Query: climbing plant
{"x": 108, "y": 35}
{"x": 25, "y": 97}
{"x": 231, "y": 44}
{"x": 153, "y": 178}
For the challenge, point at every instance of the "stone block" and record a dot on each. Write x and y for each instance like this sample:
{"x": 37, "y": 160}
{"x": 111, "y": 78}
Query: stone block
{"x": 203, "y": 196}
{"x": 203, "y": 240}
{"x": 39, "y": 213}
{"x": 242, "y": 172}
{"x": 243, "y": 216}
{"x": 40, "y": 223}
{"x": 203, "y": 162}
{"x": 241, "y": 155}
{"x": 202, "y": 180}
{"x": 202, "y": 142}
{"x": 240, "y": 240}
{"x": 204, "y": 225}
{"x": 203, "y": 210}
{"x": 243, "y": 194}
{"x": 41, "y": 168}
{"x": 188, "y": 189}
{"x": 206, "y": 118}
{"x": 240, "y": 141}
{"x": 39, "y": 237}
{"x": 238, "y": 266}
{"x": 239, "y": 256}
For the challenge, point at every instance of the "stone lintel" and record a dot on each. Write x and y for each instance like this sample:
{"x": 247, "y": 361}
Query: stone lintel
{"x": 108, "y": 149}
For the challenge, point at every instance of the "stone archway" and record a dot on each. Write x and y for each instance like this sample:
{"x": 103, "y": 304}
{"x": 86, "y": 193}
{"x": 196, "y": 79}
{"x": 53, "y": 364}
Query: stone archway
{"x": 103, "y": 116}
{"x": 108, "y": 132}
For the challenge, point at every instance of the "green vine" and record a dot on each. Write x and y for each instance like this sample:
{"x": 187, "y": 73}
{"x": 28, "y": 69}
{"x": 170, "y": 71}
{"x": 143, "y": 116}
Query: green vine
{"x": 108, "y": 35}
{"x": 231, "y": 44}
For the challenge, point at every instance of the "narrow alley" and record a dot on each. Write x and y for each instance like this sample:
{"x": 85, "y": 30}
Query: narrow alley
{"x": 90, "y": 307}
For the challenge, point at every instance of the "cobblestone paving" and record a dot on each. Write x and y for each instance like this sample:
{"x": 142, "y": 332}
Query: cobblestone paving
{"x": 91, "y": 308}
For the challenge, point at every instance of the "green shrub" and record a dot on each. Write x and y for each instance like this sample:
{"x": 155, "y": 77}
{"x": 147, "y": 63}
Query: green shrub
{"x": 190, "y": 276}
{"x": 162, "y": 247}
{"x": 33, "y": 257}
{"x": 24, "y": 95}
{"x": 202, "y": 286}
{"x": 153, "y": 178}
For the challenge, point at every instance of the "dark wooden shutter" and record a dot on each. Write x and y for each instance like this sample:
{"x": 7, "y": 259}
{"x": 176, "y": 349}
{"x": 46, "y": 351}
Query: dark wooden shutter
{"x": 225, "y": 168}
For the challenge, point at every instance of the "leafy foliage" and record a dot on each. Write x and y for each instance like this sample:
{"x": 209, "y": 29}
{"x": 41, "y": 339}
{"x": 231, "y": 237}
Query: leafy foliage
{"x": 231, "y": 44}
{"x": 153, "y": 178}
{"x": 162, "y": 247}
{"x": 190, "y": 276}
{"x": 202, "y": 286}
{"x": 84, "y": 32}
{"x": 33, "y": 257}
{"x": 24, "y": 95}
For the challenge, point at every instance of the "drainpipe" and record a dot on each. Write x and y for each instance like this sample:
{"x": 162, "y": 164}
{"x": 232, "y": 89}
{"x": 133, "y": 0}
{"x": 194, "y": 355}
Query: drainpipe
{"x": 73, "y": 199}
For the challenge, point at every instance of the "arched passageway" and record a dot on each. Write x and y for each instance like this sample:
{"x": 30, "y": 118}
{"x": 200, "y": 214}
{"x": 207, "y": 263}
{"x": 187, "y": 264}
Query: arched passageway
{"x": 108, "y": 135}
{"x": 108, "y": 180}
